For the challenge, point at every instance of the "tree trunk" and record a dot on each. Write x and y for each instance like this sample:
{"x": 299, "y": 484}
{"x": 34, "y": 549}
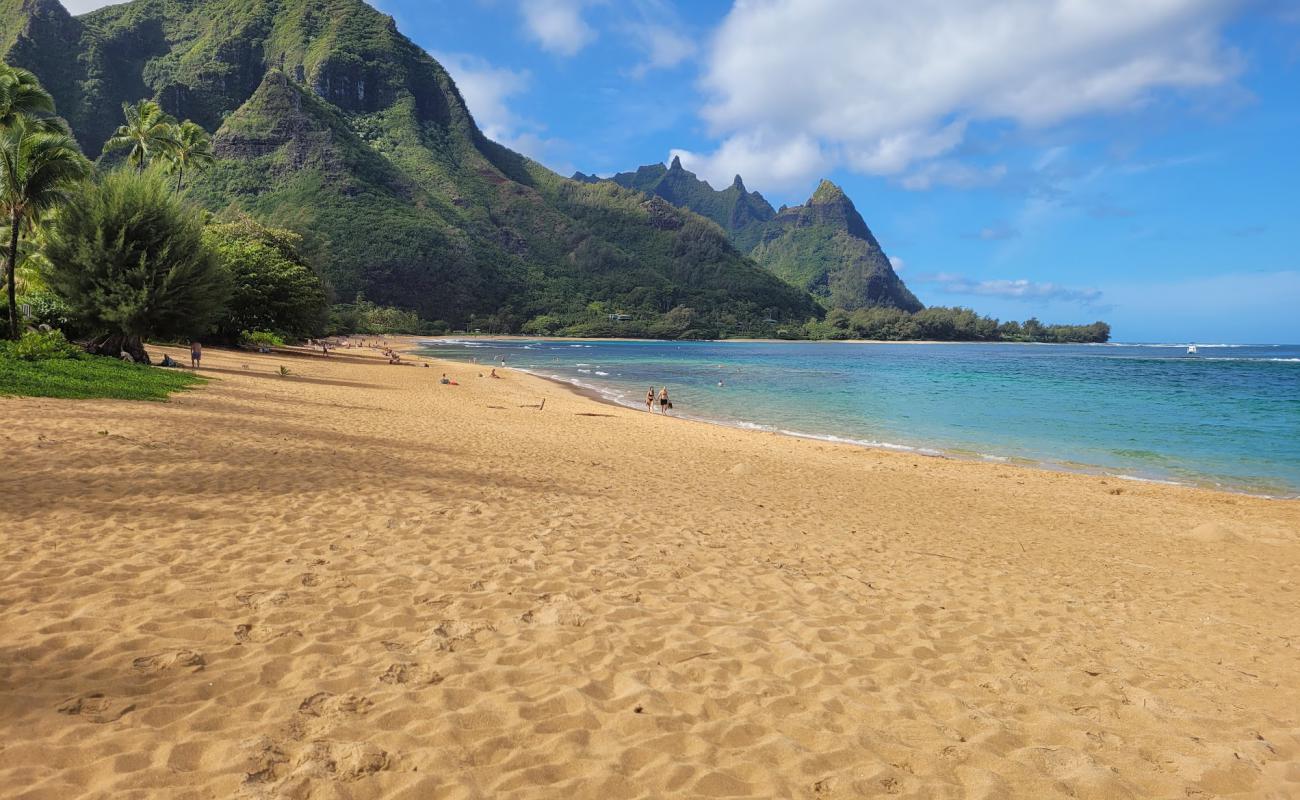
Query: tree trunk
{"x": 180, "y": 179}
{"x": 114, "y": 345}
{"x": 13, "y": 275}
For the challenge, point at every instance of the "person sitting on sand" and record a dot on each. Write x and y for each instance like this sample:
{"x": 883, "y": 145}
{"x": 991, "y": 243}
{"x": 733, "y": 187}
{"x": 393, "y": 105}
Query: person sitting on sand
{"x": 650, "y": 399}
{"x": 196, "y": 353}
{"x": 445, "y": 380}
{"x": 494, "y": 373}
{"x": 664, "y": 405}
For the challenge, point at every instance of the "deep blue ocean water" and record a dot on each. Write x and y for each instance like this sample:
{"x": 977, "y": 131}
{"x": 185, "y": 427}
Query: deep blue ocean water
{"x": 1228, "y": 417}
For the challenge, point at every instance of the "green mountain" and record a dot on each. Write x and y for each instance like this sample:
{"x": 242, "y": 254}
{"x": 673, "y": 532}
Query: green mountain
{"x": 823, "y": 246}
{"x": 734, "y": 209}
{"x": 331, "y": 122}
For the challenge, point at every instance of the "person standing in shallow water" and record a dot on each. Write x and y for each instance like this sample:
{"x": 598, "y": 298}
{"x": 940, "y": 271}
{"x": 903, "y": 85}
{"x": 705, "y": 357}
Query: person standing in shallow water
{"x": 664, "y": 405}
{"x": 196, "y": 354}
{"x": 650, "y": 399}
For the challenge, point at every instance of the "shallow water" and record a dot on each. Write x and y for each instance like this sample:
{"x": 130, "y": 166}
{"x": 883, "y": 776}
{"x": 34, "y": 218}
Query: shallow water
{"x": 1228, "y": 417}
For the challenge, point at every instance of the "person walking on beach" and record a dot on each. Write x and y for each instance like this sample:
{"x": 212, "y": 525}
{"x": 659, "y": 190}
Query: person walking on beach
{"x": 664, "y": 405}
{"x": 196, "y": 353}
{"x": 650, "y": 399}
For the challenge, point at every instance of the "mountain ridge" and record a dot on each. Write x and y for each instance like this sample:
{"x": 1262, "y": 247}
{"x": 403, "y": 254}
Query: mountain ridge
{"x": 329, "y": 121}
{"x": 823, "y": 246}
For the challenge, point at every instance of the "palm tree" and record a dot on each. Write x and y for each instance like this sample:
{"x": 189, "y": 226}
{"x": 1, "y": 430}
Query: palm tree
{"x": 148, "y": 132}
{"x": 193, "y": 151}
{"x": 37, "y": 170}
{"x": 21, "y": 95}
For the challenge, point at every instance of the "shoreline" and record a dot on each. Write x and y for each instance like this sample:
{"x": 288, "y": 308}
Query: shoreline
{"x": 352, "y": 580}
{"x": 595, "y": 393}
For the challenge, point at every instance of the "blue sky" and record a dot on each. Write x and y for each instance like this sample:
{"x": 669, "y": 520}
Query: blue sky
{"x": 1067, "y": 159}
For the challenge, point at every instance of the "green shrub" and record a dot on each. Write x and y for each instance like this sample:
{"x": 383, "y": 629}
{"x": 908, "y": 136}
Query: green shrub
{"x": 260, "y": 339}
{"x": 43, "y": 307}
{"x": 44, "y": 346}
{"x": 128, "y": 258}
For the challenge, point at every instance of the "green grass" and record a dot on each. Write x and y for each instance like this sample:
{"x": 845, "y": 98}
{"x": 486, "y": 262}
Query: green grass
{"x": 90, "y": 377}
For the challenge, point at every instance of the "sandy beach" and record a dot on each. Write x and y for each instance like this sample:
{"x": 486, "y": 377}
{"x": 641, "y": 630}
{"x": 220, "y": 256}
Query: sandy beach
{"x": 353, "y": 582}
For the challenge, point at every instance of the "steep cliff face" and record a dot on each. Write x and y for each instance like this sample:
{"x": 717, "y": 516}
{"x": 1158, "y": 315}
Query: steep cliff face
{"x": 825, "y": 246}
{"x": 331, "y": 122}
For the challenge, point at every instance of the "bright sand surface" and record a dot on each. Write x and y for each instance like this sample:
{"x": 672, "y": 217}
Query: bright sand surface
{"x": 353, "y": 582}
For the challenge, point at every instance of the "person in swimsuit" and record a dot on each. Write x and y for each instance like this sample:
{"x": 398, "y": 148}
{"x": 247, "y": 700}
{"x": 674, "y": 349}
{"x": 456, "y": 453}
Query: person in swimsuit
{"x": 196, "y": 354}
{"x": 663, "y": 400}
{"x": 650, "y": 399}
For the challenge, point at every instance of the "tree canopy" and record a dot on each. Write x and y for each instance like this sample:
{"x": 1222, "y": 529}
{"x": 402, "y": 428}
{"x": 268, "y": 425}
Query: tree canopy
{"x": 273, "y": 288}
{"x": 127, "y": 256}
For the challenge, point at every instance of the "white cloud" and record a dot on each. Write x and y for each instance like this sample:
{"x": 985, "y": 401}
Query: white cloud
{"x": 557, "y": 25}
{"x": 82, "y": 6}
{"x": 1017, "y": 289}
{"x": 995, "y": 232}
{"x": 486, "y": 89}
{"x": 776, "y": 165}
{"x": 665, "y": 46}
{"x": 881, "y": 86}
{"x": 953, "y": 173}
{"x": 897, "y": 263}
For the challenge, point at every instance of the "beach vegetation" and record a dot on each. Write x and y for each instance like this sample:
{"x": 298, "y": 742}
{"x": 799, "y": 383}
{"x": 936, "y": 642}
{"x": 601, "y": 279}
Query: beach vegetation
{"x": 192, "y": 152}
{"x": 43, "y": 345}
{"x": 261, "y": 339}
{"x": 363, "y": 316}
{"x": 128, "y": 258}
{"x": 273, "y": 288}
{"x": 945, "y": 324}
{"x": 38, "y": 168}
{"x": 45, "y": 367}
{"x": 149, "y": 133}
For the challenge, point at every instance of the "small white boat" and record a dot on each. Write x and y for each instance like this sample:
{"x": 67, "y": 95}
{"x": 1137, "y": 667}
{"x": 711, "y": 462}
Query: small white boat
{"x": 1191, "y": 350}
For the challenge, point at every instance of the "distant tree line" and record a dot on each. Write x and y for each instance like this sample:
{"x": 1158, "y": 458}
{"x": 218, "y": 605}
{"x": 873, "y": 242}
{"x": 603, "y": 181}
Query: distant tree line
{"x": 946, "y": 324}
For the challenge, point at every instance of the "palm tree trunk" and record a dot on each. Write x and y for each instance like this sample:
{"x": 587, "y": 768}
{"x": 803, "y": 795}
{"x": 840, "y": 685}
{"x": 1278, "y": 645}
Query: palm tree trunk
{"x": 13, "y": 275}
{"x": 180, "y": 178}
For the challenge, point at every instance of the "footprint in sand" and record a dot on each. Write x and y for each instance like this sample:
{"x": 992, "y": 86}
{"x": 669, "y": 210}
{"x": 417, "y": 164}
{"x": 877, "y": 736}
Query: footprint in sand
{"x": 180, "y": 659}
{"x": 247, "y": 632}
{"x": 340, "y": 761}
{"x": 263, "y": 760}
{"x": 435, "y": 603}
{"x": 328, "y": 704}
{"x": 558, "y": 609}
{"x": 411, "y": 673}
{"x": 321, "y": 711}
{"x": 95, "y": 707}
{"x": 309, "y": 579}
{"x": 452, "y": 632}
{"x": 256, "y": 599}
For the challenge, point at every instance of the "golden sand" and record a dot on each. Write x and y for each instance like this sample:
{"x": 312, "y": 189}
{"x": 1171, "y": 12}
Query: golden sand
{"x": 354, "y": 582}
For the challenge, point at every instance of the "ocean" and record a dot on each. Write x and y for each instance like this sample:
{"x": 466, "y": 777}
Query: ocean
{"x": 1228, "y": 417}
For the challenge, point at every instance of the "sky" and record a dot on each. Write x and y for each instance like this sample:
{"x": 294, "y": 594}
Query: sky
{"x": 1074, "y": 160}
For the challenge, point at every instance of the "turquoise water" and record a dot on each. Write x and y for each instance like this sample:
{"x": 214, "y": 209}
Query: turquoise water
{"x": 1228, "y": 417}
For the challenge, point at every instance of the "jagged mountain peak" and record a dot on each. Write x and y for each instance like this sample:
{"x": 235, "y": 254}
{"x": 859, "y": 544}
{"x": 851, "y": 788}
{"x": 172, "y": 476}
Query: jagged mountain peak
{"x": 827, "y": 192}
